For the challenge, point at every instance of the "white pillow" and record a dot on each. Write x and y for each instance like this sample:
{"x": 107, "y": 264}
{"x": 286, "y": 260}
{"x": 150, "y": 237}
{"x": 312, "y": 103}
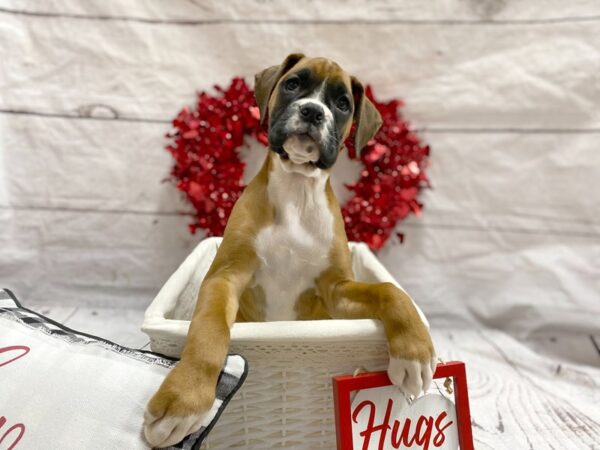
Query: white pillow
{"x": 61, "y": 389}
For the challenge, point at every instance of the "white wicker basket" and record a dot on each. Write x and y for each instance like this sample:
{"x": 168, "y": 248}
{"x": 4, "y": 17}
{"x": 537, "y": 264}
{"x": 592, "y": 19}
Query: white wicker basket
{"x": 286, "y": 401}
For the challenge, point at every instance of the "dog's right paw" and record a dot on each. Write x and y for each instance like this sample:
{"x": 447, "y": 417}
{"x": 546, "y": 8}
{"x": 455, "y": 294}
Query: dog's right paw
{"x": 411, "y": 376}
{"x": 178, "y": 408}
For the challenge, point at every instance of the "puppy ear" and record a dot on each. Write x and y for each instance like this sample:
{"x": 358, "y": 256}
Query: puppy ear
{"x": 367, "y": 118}
{"x": 265, "y": 81}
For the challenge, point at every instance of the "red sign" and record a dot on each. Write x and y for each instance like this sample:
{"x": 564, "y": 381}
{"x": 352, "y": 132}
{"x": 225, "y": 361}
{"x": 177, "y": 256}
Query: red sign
{"x": 372, "y": 414}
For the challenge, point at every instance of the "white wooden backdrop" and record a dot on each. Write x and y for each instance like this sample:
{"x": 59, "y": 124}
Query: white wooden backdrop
{"x": 506, "y": 92}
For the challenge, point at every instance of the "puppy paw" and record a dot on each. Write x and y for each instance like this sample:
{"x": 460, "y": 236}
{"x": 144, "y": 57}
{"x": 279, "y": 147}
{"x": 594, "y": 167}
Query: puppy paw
{"x": 411, "y": 376}
{"x": 178, "y": 408}
{"x": 167, "y": 430}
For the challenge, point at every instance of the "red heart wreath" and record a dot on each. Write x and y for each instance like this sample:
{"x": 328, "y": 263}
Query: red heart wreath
{"x": 208, "y": 168}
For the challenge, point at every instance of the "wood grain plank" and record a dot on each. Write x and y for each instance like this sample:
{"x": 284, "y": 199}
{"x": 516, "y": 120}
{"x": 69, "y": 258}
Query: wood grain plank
{"x": 118, "y": 168}
{"x": 186, "y": 12}
{"x": 90, "y": 259}
{"x": 456, "y": 275}
{"x": 506, "y": 281}
{"x": 87, "y": 166}
{"x": 456, "y": 76}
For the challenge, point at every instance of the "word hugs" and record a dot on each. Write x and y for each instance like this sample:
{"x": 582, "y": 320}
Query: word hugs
{"x": 382, "y": 419}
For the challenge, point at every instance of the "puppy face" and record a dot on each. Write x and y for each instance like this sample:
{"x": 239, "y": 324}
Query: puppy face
{"x": 311, "y": 112}
{"x": 311, "y": 107}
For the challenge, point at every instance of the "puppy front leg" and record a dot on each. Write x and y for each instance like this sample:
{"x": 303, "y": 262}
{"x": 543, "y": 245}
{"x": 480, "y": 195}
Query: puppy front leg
{"x": 188, "y": 392}
{"x": 412, "y": 356}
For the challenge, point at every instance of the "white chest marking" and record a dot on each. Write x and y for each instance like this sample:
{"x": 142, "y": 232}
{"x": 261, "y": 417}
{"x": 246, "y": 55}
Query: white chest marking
{"x": 294, "y": 250}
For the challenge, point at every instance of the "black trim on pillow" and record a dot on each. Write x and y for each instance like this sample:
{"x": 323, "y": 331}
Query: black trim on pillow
{"x": 200, "y": 439}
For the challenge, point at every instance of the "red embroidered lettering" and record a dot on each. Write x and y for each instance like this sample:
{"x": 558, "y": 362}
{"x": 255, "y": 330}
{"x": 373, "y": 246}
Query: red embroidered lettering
{"x": 23, "y": 348}
{"x": 440, "y": 437}
{"x": 371, "y": 428}
{"x": 19, "y": 427}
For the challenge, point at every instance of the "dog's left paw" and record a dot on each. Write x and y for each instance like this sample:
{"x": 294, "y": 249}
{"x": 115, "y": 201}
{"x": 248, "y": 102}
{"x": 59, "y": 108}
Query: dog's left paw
{"x": 168, "y": 430}
{"x": 411, "y": 376}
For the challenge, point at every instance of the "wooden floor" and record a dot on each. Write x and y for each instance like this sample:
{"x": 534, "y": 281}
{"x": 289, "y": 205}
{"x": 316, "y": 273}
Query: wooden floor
{"x": 529, "y": 392}
{"x": 121, "y": 326}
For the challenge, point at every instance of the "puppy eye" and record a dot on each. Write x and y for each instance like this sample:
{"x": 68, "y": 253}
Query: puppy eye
{"x": 343, "y": 104}
{"x": 291, "y": 84}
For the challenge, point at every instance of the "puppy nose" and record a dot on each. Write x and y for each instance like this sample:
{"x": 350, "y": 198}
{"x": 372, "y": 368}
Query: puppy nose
{"x": 312, "y": 113}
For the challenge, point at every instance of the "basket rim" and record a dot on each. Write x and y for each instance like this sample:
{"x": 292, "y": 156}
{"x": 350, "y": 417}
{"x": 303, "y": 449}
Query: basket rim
{"x": 283, "y": 332}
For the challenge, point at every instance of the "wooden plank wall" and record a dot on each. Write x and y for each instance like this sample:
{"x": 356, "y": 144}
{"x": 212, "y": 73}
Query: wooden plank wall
{"x": 506, "y": 92}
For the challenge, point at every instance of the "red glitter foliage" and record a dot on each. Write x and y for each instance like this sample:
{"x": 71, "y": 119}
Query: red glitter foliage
{"x": 208, "y": 170}
{"x": 393, "y": 175}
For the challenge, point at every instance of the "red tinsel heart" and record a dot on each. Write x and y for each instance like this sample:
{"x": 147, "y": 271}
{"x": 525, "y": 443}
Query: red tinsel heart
{"x": 208, "y": 168}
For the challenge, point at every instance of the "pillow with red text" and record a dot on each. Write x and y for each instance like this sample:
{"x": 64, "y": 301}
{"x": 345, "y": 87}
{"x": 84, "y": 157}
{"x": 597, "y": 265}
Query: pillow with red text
{"x": 61, "y": 389}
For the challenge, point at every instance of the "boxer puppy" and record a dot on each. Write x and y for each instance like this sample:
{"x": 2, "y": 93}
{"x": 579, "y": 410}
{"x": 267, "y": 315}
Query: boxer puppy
{"x": 284, "y": 254}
